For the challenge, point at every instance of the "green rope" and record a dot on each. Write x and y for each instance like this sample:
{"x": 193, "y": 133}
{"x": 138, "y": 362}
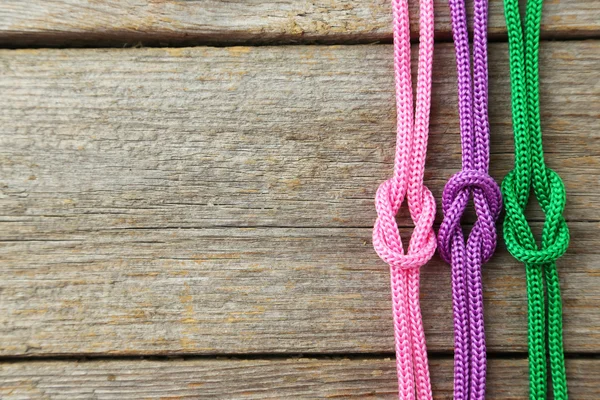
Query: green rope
{"x": 531, "y": 171}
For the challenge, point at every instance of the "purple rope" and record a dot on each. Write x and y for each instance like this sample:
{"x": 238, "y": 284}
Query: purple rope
{"x": 473, "y": 180}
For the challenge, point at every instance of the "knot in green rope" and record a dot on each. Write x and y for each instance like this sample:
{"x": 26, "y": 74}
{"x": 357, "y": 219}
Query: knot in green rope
{"x": 519, "y": 238}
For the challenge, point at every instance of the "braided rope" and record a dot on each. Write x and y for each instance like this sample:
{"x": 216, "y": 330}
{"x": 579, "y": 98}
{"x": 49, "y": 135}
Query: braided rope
{"x": 530, "y": 170}
{"x": 407, "y": 182}
{"x": 472, "y": 181}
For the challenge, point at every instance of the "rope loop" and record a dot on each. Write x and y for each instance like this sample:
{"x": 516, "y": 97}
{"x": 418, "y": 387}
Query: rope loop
{"x": 488, "y": 204}
{"x": 519, "y": 238}
{"x": 544, "y": 303}
{"x": 412, "y": 130}
{"x": 466, "y": 257}
{"x": 386, "y": 235}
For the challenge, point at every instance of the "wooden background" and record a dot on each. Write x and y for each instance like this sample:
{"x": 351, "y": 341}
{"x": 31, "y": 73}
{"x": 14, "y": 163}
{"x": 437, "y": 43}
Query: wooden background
{"x": 194, "y": 222}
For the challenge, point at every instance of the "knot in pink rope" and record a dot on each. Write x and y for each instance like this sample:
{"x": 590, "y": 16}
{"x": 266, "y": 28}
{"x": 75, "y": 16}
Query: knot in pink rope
{"x": 386, "y": 235}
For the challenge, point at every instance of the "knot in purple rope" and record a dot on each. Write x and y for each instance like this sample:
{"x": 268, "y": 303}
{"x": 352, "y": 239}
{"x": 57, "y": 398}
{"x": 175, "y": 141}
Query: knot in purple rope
{"x": 488, "y": 203}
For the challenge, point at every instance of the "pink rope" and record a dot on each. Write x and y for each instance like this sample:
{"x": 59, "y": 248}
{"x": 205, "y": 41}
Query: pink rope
{"x": 407, "y": 182}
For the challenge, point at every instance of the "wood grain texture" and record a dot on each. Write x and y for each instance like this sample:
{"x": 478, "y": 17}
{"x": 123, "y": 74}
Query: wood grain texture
{"x": 260, "y": 379}
{"x": 218, "y": 201}
{"x": 223, "y": 291}
{"x": 176, "y": 22}
{"x": 255, "y": 136}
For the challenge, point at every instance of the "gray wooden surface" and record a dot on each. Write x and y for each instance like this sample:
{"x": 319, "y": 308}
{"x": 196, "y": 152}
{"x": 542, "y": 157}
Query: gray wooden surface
{"x": 177, "y": 22}
{"x": 259, "y": 379}
{"x": 211, "y": 208}
{"x": 132, "y": 175}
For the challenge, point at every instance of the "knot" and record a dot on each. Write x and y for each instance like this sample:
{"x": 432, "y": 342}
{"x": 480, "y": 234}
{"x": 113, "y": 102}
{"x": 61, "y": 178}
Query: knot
{"x": 386, "y": 236}
{"x": 487, "y": 199}
{"x": 518, "y": 236}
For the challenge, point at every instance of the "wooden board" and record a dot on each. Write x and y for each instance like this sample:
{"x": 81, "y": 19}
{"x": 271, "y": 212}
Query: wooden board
{"x": 218, "y": 201}
{"x": 260, "y": 379}
{"x": 223, "y": 291}
{"x": 175, "y": 22}
{"x": 255, "y": 136}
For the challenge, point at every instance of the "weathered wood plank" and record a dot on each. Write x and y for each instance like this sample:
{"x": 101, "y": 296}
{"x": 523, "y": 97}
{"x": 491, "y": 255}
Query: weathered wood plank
{"x": 169, "y": 22}
{"x": 126, "y": 176}
{"x": 216, "y": 291}
{"x": 260, "y": 379}
{"x": 284, "y": 136}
